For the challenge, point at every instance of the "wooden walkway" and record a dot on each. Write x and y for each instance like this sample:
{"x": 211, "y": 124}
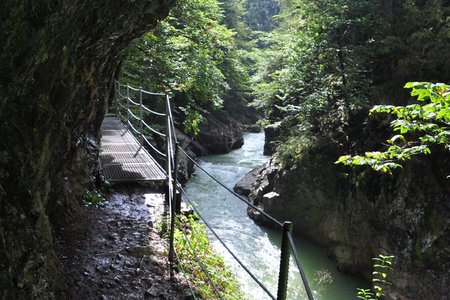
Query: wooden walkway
{"x": 123, "y": 159}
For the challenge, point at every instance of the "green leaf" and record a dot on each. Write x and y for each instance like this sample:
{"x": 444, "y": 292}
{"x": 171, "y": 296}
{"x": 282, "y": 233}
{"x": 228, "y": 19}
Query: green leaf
{"x": 397, "y": 137}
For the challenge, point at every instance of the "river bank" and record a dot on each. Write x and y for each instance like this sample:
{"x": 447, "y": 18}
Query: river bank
{"x": 258, "y": 247}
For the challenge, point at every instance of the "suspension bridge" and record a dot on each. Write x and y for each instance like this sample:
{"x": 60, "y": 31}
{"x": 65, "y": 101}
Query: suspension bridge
{"x": 133, "y": 151}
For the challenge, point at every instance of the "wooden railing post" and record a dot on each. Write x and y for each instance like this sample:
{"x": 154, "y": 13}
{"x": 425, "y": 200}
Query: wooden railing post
{"x": 284, "y": 262}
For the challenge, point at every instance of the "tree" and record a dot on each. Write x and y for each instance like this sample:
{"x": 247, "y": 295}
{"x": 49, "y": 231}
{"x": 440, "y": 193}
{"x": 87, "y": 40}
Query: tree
{"x": 313, "y": 72}
{"x": 327, "y": 60}
{"x": 419, "y": 125}
{"x": 192, "y": 54}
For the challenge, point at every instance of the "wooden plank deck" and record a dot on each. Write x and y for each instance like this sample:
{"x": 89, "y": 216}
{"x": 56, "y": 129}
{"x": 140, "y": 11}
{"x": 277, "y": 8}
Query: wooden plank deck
{"x": 122, "y": 159}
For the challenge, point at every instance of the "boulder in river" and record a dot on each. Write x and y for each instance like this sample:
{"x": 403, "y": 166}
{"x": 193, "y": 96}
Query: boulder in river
{"x": 221, "y": 133}
{"x": 244, "y": 186}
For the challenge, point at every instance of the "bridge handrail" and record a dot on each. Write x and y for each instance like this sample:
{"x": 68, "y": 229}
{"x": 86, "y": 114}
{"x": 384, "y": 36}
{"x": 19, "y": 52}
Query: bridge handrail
{"x": 287, "y": 241}
{"x": 152, "y": 112}
{"x": 299, "y": 265}
{"x": 131, "y": 114}
{"x": 171, "y": 157}
{"x": 153, "y": 147}
{"x": 180, "y": 188}
{"x": 153, "y": 130}
{"x": 265, "y": 214}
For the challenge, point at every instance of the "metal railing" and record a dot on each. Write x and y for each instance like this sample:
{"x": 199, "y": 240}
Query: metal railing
{"x": 129, "y": 109}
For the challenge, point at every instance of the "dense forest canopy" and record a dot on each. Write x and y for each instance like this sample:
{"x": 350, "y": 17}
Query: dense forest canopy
{"x": 329, "y": 60}
{"x": 193, "y": 54}
{"x": 316, "y": 74}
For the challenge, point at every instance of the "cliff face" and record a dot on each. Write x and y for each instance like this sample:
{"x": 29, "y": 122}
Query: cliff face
{"x": 260, "y": 12}
{"x": 57, "y": 62}
{"x": 360, "y": 215}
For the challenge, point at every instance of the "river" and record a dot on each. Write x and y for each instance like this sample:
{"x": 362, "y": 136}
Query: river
{"x": 259, "y": 247}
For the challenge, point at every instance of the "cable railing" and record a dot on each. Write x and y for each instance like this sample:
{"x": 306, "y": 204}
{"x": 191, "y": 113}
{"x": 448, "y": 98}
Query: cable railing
{"x": 129, "y": 110}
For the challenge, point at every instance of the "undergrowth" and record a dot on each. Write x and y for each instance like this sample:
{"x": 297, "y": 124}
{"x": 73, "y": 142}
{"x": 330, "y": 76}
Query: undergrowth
{"x": 96, "y": 196}
{"x": 223, "y": 277}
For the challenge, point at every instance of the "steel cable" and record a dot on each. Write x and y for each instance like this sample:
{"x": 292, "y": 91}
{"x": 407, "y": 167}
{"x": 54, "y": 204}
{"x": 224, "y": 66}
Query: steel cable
{"x": 152, "y": 93}
{"x": 225, "y": 246}
{"x": 202, "y": 266}
{"x": 185, "y": 275}
{"x": 132, "y": 102}
{"x": 132, "y": 127}
{"x": 133, "y": 115}
{"x": 300, "y": 268}
{"x": 232, "y": 192}
{"x": 153, "y": 130}
{"x": 151, "y": 111}
{"x": 153, "y": 147}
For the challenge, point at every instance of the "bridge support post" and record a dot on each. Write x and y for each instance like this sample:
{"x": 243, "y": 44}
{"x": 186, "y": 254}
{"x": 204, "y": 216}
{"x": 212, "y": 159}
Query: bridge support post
{"x": 128, "y": 107}
{"x": 167, "y": 136}
{"x": 284, "y": 261}
{"x": 141, "y": 116}
{"x": 177, "y": 202}
{"x": 170, "y": 196}
{"x": 177, "y": 194}
{"x": 117, "y": 89}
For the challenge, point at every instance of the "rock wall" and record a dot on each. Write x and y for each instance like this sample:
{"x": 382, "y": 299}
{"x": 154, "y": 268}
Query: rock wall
{"x": 260, "y": 12}
{"x": 360, "y": 215}
{"x": 221, "y": 133}
{"x": 57, "y": 62}
{"x": 224, "y": 129}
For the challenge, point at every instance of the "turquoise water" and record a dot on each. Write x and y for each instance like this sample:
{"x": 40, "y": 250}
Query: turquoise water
{"x": 259, "y": 247}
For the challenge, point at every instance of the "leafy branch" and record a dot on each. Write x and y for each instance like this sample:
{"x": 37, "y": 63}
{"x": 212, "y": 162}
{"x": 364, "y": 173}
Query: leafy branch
{"x": 382, "y": 266}
{"x": 418, "y": 125}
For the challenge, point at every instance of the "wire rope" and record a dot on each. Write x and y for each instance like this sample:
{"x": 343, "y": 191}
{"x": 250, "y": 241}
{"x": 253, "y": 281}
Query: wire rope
{"x": 153, "y": 130}
{"x": 232, "y": 192}
{"x": 183, "y": 271}
{"x": 152, "y": 93}
{"x": 300, "y": 268}
{"x": 202, "y": 266}
{"x": 152, "y": 111}
{"x": 153, "y": 147}
{"x": 225, "y": 246}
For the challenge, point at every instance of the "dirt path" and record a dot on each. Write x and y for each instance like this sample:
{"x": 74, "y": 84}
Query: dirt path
{"x": 116, "y": 253}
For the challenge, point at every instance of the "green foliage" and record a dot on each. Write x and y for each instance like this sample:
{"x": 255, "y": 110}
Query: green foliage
{"x": 314, "y": 58}
{"x": 192, "y": 54}
{"x": 93, "y": 197}
{"x": 293, "y": 149}
{"x": 418, "y": 126}
{"x": 223, "y": 278}
{"x": 313, "y": 70}
{"x": 382, "y": 266}
{"x": 327, "y": 59}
